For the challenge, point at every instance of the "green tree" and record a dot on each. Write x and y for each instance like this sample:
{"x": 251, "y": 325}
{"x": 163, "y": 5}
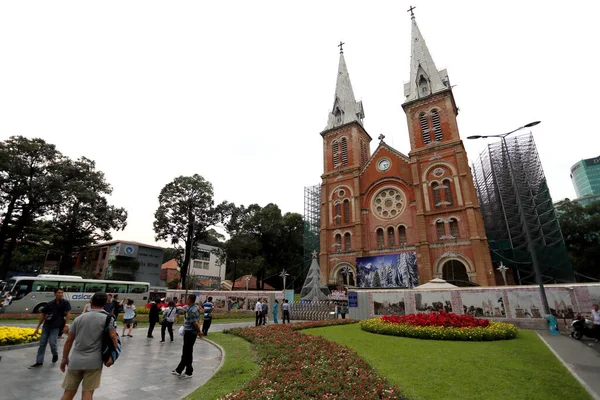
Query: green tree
{"x": 377, "y": 279}
{"x": 581, "y": 230}
{"x": 185, "y": 213}
{"x": 170, "y": 253}
{"x": 31, "y": 179}
{"x": 263, "y": 242}
{"x": 83, "y": 216}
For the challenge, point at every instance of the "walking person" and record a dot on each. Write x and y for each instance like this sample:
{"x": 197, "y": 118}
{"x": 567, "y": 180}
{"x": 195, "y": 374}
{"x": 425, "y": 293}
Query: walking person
{"x": 128, "y": 318}
{"x": 286, "y": 311}
{"x": 596, "y": 321}
{"x": 258, "y": 311}
{"x": 116, "y": 306}
{"x": 109, "y": 304}
{"x": 265, "y": 311}
{"x": 53, "y": 317}
{"x": 87, "y": 307}
{"x": 208, "y": 307}
{"x": 168, "y": 320}
{"x": 275, "y": 310}
{"x": 344, "y": 310}
{"x": 191, "y": 331}
{"x": 85, "y": 362}
{"x": 153, "y": 318}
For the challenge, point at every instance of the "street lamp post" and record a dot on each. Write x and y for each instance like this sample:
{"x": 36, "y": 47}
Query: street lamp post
{"x": 284, "y": 275}
{"x": 528, "y": 238}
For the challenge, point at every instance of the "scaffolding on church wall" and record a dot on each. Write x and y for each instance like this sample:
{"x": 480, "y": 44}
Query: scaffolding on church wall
{"x": 504, "y": 226}
{"x": 312, "y": 222}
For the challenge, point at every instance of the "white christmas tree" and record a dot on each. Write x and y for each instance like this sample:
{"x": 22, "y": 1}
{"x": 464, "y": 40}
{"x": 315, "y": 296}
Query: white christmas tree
{"x": 311, "y": 290}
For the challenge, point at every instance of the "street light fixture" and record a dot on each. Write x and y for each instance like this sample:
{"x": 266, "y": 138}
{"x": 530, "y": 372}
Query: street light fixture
{"x": 530, "y": 245}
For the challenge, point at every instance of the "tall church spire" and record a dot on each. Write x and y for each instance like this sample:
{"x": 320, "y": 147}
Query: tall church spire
{"x": 425, "y": 79}
{"x": 345, "y": 107}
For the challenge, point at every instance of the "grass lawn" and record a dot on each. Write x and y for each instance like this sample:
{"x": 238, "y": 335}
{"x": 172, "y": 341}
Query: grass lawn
{"x": 522, "y": 368}
{"x": 239, "y": 368}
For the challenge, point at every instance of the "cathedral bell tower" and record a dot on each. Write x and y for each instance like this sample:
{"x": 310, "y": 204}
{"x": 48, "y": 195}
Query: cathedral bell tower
{"x": 452, "y": 242}
{"x": 345, "y": 152}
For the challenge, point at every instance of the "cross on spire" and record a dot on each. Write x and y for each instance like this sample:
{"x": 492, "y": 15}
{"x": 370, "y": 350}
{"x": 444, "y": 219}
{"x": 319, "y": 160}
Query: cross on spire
{"x": 381, "y": 137}
{"x": 341, "y": 47}
{"x": 410, "y": 10}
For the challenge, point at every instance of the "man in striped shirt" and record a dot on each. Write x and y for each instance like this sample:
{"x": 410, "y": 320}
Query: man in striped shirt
{"x": 191, "y": 331}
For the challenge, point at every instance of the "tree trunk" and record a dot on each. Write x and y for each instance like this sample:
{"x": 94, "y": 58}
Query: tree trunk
{"x": 189, "y": 242}
{"x": 21, "y": 223}
{"x": 233, "y": 278}
{"x": 4, "y": 230}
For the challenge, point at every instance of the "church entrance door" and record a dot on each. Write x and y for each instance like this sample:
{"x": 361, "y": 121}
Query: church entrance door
{"x": 455, "y": 272}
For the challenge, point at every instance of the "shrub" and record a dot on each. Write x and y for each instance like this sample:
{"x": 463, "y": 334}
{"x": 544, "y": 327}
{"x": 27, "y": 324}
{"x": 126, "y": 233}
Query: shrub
{"x": 297, "y": 366}
{"x": 493, "y": 330}
{"x": 14, "y": 335}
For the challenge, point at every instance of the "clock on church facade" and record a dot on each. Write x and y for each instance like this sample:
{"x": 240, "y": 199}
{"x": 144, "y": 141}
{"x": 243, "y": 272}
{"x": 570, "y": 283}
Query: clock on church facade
{"x": 395, "y": 219}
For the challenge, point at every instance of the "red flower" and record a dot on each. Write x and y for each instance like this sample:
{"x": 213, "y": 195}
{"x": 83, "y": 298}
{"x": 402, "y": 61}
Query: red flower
{"x": 437, "y": 319}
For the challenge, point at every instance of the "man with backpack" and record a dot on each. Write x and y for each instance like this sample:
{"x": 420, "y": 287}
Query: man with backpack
{"x": 86, "y": 339}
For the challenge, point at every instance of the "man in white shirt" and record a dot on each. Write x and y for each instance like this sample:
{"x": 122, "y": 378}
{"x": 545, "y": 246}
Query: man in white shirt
{"x": 596, "y": 318}
{"x": 258, "y": 310}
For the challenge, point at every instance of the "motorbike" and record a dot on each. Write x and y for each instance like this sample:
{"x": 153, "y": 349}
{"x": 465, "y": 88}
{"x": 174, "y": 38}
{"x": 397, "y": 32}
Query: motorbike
{"x": 581, "y": 327}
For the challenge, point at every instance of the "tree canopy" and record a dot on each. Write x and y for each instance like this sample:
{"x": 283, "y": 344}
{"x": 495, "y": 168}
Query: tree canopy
{"x": 185, "y": 215}
{"x": 580, "y": 227}
{"x": 51, "y": 200}
{"x": 263, "y": 242}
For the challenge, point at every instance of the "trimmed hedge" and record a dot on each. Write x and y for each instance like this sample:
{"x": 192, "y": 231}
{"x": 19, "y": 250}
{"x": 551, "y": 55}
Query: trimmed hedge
{"x": 495, "y": 331}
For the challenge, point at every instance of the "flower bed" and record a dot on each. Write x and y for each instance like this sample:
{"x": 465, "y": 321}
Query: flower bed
{"x": 440, "y": 326}
{"x": 297, "y": 366}
{"x": 14, "y": 335}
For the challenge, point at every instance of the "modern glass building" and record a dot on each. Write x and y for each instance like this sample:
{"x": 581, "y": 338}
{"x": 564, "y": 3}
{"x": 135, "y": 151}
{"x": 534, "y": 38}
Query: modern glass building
{"x": 586, "y": 177}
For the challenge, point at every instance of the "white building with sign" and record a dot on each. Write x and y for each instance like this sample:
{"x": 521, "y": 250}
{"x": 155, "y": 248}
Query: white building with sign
{"x": 206, "y": 269}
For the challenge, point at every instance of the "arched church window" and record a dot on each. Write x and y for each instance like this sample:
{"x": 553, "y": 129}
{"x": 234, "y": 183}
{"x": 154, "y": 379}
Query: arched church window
{"x": 344, "y": 151}
{"x": 335, "y": 150}
{"x": 437, "y": 195}
{"x": 338, "y": 242}
{"x": 454, "y": 227}
{"x": 347, "y": 241}
{"x": 402, "y": 235}
{"x": 437, "y": 127}
{"x": 380, "y": 241}
{"x": 337, "y": 216}
{"x": 424, "y": 128}
{"x": 346, "y": 211}
{"x": 391, "y": 237}
{"x": 440, "y": 229}
{"x": 448, "y": 192}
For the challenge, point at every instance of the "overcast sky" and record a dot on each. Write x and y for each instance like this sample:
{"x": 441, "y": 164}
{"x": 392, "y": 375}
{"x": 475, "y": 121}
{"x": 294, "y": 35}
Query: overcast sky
{"x": 239, "y": 91}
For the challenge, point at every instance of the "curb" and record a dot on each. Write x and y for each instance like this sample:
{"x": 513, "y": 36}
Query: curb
{"x": 568, "y": 367}
{"x": 222, "y": 350}
{"x": 18, "y": 346}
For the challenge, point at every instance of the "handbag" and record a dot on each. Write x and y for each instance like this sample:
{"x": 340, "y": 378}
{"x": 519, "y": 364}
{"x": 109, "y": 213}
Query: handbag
{"x": 181, "y": 331}
{"x": 108, "y": 347}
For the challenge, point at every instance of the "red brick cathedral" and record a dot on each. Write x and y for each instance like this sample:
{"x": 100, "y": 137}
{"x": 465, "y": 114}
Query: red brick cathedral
{"x": 384, "y": 212}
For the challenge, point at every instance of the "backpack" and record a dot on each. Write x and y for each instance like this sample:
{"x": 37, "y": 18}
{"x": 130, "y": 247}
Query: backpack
{"x": 108, "y": 347}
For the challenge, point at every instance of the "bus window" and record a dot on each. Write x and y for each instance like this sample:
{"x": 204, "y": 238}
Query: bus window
{"x": 93, "y": 287}
{"x": 72, "y": 287}
{"x": 138, "y": 289}
{"x": 116, "y": 288}
{"x": 44, "y": 286}
{"x": 22, "y": 289}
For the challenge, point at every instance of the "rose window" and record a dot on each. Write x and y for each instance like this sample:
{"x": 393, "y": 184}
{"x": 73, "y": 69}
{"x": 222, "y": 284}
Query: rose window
{"x": 388, "y": 203}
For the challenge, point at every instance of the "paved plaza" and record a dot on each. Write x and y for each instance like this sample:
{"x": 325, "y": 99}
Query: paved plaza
{"x": 142, "y": 372}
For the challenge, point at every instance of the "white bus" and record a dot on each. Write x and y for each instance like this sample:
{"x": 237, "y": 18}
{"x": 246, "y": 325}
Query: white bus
{"x": 31, "y": 293}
